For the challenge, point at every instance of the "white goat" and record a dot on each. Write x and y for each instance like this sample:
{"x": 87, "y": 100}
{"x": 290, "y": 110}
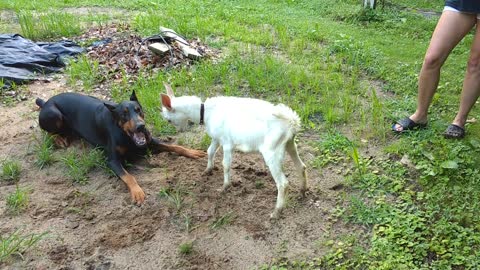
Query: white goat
{"x": 245, "y": 124}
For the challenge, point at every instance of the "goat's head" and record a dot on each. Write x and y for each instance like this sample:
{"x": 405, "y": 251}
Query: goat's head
{"x": 175, "y": 110}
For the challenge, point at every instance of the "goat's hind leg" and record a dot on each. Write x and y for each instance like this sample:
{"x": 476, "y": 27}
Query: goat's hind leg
{"x": 274, "y": 161}
{"x": 291, "y": 148}
{"x": 212, "y": 149}
{"x": 227, "y": 162}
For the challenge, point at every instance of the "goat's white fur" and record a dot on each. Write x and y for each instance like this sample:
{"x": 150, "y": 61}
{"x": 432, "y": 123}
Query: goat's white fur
{"x": 249, "y": 125}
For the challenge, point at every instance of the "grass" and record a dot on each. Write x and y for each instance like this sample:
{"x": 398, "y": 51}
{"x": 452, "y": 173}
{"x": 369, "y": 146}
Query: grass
{"x": 79, "y": 164}
{"x": 43, "y": 150}
{"x": 41, "y": 26}
{"x": 186, "y": 248}
{"x": 175, "y": 196}
{"x": 85, "y": 70}
{"x": 222, "y": 221}
{"x": 349, "y": 73}
{"x": 11, "y": 170}
{"x": 17, "y": 243}
{"x": 18, "y": 201}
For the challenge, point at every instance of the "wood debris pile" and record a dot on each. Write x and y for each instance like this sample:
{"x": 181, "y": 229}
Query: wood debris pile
{"x": 124, "y": 53}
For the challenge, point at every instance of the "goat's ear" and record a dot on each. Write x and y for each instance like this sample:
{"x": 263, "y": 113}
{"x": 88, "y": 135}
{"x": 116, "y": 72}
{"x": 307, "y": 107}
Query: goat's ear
{"x": 110, "y": 105}
{"x": 133, "y": 96}
{"x": 166, "y": 102}
{"x": 169, "y": 89}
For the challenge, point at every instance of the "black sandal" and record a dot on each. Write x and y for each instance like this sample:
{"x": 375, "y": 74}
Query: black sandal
{"x": 454, "y": 132}
{"x": 408, "y": 124}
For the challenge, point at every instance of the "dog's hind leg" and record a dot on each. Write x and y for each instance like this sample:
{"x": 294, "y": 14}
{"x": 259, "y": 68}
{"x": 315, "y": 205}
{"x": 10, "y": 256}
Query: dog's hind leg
{"x": 52, "y": 121}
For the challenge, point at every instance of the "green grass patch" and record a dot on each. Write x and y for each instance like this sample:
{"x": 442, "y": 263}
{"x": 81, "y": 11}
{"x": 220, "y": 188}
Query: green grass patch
{"x": 43, "y": 149}
{"x": 86, "y": 71}
{"x": 79, "y": 164}
{"x": 186, "y": 248}
{"x": 17, "y": 243}
{"x": 174, "y": 195}
{"x": 42, "y": 26}
{"x": 222, "y": 221}
{"x": 18, "y": 201}
{"x": 11, "y": 170}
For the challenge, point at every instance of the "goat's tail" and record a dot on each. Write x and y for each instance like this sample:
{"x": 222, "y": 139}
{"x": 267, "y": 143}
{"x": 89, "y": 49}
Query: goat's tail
{"x": 285, "y": 113}
{"x": 40, "y": 102}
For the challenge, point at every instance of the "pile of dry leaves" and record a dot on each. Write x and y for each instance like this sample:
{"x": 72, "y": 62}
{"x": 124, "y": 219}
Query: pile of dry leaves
{"x": 122, "y": 52}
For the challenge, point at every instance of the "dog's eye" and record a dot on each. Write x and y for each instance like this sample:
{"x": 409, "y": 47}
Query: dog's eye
{"x": 169, "y": 121}
{"x": 137, "y": 110}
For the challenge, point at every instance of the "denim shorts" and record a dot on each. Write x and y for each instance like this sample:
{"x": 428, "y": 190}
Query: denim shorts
{"x": 456, "y": 10}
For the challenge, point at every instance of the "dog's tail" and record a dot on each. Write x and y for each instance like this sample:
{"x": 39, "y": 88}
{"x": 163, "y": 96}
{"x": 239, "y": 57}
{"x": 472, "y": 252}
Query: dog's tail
{"x": 40, "y": 102}
{"x": 285, "y": 113}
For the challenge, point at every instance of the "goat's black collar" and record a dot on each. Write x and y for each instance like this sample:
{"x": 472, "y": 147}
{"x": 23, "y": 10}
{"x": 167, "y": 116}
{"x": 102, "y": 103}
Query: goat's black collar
{"x": 202, "y": 113}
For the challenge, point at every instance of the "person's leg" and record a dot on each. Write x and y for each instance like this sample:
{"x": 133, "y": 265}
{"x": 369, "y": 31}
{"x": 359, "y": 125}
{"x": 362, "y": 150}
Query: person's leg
{"x": 471, "y": 84}
{"x": 451, "y": 28}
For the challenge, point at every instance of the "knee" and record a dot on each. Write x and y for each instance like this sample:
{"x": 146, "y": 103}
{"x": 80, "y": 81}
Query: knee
{"x": 473, "y": 65}
{"x": 433, "y": 61}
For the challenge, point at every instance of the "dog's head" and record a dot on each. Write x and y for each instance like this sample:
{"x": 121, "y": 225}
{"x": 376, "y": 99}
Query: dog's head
{"x": 175, "y": 110}
{"x": 128, "y": 115}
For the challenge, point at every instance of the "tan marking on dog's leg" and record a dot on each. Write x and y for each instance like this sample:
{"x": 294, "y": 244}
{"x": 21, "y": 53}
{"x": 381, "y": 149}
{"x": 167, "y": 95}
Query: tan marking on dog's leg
{"x": 136, "y": 192}
{"x": 60, "y": 141}
{"x": 122, "y": 150}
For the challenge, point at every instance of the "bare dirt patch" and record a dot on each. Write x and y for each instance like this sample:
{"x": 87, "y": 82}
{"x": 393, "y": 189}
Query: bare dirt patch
{"x": 95, "y": 226}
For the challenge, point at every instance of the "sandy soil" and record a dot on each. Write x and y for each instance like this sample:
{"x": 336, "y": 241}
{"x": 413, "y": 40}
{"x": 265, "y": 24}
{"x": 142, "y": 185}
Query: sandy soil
{"x": 95, "y": 226}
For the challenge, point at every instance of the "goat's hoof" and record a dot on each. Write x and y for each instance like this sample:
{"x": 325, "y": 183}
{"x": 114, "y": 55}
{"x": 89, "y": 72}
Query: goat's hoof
{"x": 303, "y": 192}
{"x": 207, "y": 172}
{"x": 275, "y": 215}
{"x": 224, "y": 189}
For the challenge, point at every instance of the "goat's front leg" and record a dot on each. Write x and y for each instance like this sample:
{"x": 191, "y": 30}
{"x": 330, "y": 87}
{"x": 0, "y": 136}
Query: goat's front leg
{"x": 212, "y": 149}
{"x": 227, "y": 161}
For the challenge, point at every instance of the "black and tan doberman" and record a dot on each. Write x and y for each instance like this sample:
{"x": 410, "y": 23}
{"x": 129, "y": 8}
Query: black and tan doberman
{"x": 117, "y": 128}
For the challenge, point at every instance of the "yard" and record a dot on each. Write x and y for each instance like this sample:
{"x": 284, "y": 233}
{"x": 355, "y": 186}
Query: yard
{"x": 376, "y": 200}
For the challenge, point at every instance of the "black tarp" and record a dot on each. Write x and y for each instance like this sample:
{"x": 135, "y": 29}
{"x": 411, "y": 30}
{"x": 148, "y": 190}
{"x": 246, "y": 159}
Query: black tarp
{"x": 21, "y": 59}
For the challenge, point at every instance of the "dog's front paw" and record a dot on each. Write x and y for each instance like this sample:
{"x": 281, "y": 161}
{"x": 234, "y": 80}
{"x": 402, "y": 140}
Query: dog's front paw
{"x": 191, "y": 153}
{"x": 137, "y": 194}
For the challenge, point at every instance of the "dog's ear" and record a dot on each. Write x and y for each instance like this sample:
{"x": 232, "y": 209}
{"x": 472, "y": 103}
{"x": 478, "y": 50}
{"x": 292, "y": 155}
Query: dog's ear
{"x": 169, "y": 89}
{"x": 166, "y": 102}
{"x": 133, "y": 96}
{"x": 110, "y": 105}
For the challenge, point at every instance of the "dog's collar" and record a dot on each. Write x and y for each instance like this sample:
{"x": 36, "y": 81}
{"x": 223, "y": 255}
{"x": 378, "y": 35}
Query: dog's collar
{"x": 202, "y": 113}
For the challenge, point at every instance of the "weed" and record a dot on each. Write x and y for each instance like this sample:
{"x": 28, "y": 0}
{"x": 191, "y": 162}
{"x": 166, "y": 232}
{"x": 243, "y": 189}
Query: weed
{"x": 17, "y": 201}
{"x": 44, "y": 150}
{"x": 85, "y": 70}
{"x": 205, "y": 142}
{"x": 222, "y": 221}
{"x": 186, "y": 248}
{"x": 176, "y": 196}
{"x": 17, "y": 244}
{"x": 38, "y": 26}
{"x": 11, "y": 170}
{"x": 259, "y": 184}
{"x": 80, "y": 164}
